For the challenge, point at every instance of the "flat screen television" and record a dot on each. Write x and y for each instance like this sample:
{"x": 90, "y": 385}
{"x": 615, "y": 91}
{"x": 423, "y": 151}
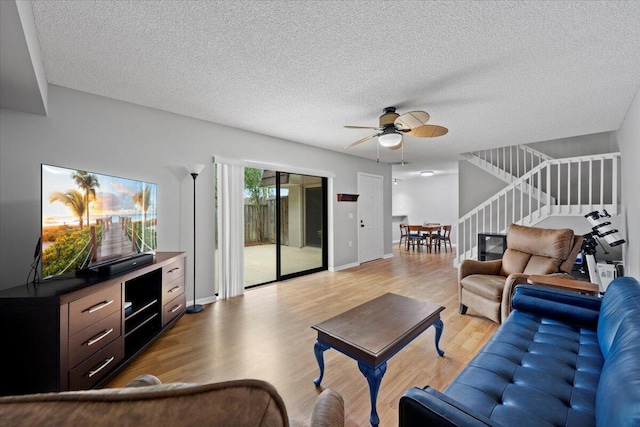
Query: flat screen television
{"x": 91, "y": 219}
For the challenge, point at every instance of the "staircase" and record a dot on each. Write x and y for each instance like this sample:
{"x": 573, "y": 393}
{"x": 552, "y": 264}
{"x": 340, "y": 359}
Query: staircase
{"x": 538, "y": 187}
{"x": 507, "y": 163}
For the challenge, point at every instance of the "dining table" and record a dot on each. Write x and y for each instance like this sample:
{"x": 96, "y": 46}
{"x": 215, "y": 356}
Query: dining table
{"x": 428, "y": 230}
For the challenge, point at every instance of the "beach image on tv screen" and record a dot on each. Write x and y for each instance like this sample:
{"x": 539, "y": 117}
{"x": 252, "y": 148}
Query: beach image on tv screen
{"x": 90, "y": 218}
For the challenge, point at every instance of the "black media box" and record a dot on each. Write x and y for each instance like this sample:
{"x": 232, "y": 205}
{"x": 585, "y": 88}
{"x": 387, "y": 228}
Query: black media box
{"x": 123, "y": 265}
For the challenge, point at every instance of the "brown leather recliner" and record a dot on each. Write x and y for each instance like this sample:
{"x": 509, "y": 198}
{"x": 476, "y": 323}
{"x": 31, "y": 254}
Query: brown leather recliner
{"x": 145, "y": 401}
{"x": 486, "y": 286}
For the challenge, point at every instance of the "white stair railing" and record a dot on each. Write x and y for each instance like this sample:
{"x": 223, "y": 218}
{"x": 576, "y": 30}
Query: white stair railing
{"x": 573, "y": 186}
{"x": 507, "y": 163}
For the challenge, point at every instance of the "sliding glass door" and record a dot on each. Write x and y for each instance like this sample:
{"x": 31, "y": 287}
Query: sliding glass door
{"x": 285, "y": 224}
{"x": 302, "y": 223}
{"x": 259, "y": 230}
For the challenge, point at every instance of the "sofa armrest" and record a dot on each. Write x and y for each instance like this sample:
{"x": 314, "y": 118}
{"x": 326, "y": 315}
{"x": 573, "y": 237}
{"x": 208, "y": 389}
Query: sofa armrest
{"x": 328, "y": 411}
{"x": 428, "y": 407}
{"x": 569, "y": 307}
{"x": 510, "y": 284}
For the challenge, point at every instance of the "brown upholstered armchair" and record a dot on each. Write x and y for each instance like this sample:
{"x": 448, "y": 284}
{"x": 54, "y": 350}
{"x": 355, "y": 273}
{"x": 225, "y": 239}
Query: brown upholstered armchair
{"x": 486, "y": 286}
{"x": 145, "y": 401}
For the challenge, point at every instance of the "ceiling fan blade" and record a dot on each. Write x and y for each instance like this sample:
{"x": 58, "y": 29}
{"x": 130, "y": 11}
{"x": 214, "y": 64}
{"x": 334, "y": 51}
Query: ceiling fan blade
{"x": 412, "y": 119}
{"x": 360, "y": 141}
{"x": 361, "y": 127}
{"x": 428, "y": 131}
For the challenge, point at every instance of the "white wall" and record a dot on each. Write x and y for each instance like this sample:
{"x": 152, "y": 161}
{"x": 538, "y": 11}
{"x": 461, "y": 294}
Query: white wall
{"x": 433, "y": 199}
{"x": 475, "y": 186}
{"x": 629, "y": 142}
{"x": 107, "y": 136}
{"x": 583, "y": 145}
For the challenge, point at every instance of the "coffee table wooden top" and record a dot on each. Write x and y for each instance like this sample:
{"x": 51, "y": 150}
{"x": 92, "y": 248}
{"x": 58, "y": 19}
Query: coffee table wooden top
{"x": 376, "y": 330}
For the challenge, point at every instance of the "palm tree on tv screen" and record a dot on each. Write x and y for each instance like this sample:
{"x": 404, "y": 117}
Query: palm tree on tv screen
{"x": 88, "y": 183}
{"x": 72, "y": 199}
{"x": 143, "y": 199}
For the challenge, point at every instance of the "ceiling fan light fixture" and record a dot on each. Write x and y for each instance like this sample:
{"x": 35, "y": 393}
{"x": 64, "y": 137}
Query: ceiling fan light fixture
{"x": 389, "y": 138}
{"x": 427, "y": 173}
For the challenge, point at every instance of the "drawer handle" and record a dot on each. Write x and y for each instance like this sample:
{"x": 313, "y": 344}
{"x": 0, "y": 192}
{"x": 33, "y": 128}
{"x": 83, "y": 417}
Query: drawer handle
{"x": 175, "y": 288}
{"x": 98, "y": 337}
{"x": 173, "y": 270}
{"x": 103, "y": 365}
{"x": 97, "y": 307}
{"x": 176, "y": 308}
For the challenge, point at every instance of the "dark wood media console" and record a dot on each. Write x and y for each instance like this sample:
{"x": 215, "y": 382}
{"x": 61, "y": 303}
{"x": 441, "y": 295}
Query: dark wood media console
{"x": 78, "y": 333}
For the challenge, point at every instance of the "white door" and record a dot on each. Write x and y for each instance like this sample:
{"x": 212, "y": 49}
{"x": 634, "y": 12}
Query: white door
{"x": 370, "y": 228}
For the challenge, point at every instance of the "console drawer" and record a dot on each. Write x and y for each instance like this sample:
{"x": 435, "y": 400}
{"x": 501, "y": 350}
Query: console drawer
{"x": 90, "y": 309}
{"x": 172, "y": 289}
{"x": 88, "y": 373}
{"x": 93, "y": 338}
{"x": 173, "y": 271}
{"x": 173, "y": 308}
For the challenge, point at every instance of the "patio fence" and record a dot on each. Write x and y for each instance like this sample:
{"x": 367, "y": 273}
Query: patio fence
{"x": 260, "y": 222}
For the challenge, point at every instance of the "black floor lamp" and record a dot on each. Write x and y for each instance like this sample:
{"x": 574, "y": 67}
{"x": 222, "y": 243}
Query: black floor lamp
{"x": 195, "y": 308}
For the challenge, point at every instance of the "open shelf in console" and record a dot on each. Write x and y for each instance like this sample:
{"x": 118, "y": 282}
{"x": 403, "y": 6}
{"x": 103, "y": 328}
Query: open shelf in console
{"x": 143, "y": 319}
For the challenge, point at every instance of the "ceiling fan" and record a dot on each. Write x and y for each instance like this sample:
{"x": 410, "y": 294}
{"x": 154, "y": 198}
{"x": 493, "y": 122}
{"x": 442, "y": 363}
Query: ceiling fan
{"x": 393, "y": 126}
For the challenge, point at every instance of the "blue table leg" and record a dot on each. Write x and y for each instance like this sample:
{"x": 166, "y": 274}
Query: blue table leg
{"x": 439, "y": 327}
{"x": 319, "y": 348}
{"x": 374, "y": 378}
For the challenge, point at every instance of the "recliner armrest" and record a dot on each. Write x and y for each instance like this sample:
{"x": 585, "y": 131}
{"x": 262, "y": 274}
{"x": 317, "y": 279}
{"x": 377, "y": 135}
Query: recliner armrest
{"x": 472, "y": 266}
{"x": 428, "y": 407}
{"x": 570, "y": 307}
{"x": 329, "y": 410}
{"x": 510, "y": 284}
{"x": 144, "y": 380}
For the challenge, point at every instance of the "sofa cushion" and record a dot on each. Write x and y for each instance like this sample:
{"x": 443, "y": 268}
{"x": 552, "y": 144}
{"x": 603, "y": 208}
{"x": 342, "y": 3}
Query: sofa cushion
{"x": 486, "y": 285}
{"x": 621, "y": 297}
{"x": 536, "y": 250}
{"x": 542, "y": 265}
{"x": 513, "y": 261}
{"x": 618, "y": 401}
{"x": 539, "y": 371}
{"x": 546, "y": 242}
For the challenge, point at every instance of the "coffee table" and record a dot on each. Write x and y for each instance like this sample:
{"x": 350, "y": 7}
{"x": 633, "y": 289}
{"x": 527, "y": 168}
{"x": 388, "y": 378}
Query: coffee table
{"x": 375, "y": 331}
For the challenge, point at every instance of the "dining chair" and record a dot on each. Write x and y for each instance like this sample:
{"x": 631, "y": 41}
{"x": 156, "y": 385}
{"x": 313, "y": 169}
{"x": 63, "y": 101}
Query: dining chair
{"x": 432, "y": 236}
{"x": 404, "y": 233}
{"x": 414, "y": 238}
{"x": 444, "y": 237}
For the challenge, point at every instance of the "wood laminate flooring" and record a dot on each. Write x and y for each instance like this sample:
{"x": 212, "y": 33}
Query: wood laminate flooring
{"x": 266, "y": 334}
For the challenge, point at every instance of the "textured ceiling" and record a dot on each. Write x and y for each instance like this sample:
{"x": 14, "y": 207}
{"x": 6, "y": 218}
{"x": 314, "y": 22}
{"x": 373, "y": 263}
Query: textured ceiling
{"x": 494, "y": 73}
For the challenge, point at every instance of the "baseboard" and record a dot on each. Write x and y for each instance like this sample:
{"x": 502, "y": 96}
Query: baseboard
{"x": 344, "y": 267}
{"x": 385, "y": 256}
{"x": 207, "y": 300}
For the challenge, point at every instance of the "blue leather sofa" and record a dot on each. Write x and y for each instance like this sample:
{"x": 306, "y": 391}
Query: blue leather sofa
{"x": 560, "y": 359}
